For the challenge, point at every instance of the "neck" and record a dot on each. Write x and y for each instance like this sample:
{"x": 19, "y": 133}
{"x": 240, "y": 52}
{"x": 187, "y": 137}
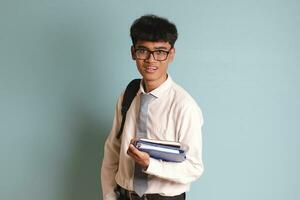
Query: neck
{"x": 152, "y": 85}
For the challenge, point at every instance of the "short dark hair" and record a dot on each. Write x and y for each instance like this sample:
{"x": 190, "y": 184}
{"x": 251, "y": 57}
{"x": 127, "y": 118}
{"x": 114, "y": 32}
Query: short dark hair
{"x": 153, "y": 28}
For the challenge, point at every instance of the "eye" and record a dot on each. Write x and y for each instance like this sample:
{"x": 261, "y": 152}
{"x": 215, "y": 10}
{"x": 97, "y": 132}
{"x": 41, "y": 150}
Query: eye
{"x": 142, "y": 51}
{"x": 160, "y": 52}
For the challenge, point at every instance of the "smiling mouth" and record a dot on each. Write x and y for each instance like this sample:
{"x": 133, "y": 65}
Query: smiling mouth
{"x": 151, "y": 69}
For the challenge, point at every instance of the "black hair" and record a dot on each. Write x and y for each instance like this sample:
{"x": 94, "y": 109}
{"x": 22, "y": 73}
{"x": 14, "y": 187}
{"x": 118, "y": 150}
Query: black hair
{"x": 153, "y": 28}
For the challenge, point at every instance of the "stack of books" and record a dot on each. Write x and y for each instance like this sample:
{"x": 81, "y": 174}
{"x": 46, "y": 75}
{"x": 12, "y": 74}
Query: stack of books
{"x": 161, "y": 149}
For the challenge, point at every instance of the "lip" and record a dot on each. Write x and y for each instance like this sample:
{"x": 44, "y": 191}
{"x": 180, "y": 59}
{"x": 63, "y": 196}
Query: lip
{"x": 151, "y": 69}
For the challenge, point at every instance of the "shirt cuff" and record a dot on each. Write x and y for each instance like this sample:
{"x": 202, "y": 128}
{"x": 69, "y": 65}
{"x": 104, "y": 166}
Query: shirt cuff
{"x": 111, "y": 196}
{"x": 154, "y": 166}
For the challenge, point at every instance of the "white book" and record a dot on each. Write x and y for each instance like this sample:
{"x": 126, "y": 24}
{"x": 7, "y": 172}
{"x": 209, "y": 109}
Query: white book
{"x": 144, "y": 146}
{"x": 162, "y": 150}
{"x": 162, "y": 142}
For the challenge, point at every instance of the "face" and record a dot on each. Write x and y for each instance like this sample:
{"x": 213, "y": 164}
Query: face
{"x": 154, "y": 72}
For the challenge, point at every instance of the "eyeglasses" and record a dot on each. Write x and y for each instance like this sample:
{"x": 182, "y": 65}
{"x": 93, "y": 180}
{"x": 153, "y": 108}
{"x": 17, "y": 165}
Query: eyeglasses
{"x": 158, "y": 55}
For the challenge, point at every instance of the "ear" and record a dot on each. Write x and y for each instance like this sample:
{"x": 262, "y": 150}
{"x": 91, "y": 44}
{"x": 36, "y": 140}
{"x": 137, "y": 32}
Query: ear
{"x": 171, "y": 55}
{"x": 132, "y": 53}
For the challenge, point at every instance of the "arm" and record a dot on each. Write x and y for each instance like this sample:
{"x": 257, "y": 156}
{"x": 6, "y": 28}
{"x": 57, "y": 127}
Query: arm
{"x": 189, "y": 124}
{"x": 111, "y": 157}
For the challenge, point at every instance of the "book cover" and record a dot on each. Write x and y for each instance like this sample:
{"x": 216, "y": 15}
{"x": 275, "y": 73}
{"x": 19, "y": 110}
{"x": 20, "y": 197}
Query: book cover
{"x": 161, "y": 150}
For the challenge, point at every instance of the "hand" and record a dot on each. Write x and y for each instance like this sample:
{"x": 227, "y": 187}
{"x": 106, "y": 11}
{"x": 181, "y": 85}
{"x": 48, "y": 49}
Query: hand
{"x": 141, "y": 158}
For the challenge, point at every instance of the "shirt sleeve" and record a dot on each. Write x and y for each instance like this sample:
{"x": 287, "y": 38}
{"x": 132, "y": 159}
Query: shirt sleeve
{"x": 189, "y": 125}
{"x": 111, "y": 157}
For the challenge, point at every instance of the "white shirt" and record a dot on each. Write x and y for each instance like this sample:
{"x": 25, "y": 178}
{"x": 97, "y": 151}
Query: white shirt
{"x": 173, "y": 115}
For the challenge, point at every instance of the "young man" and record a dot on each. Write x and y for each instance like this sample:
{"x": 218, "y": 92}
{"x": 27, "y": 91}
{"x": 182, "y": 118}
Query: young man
{"x": 169, "y": 114}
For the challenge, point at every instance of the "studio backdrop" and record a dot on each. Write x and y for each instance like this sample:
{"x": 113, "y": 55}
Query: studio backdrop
{"x": 64, "y": 63}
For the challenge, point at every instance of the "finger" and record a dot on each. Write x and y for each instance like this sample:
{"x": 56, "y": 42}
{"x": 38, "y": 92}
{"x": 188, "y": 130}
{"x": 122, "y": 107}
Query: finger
{"x": 133, "y": 140}
{"x": 133, "y": 156}
{"x": 129, "y": 150}
{"x": 130, "y": 154}
{"x": 134, "y": 150}
{"x": 136, "y": 154}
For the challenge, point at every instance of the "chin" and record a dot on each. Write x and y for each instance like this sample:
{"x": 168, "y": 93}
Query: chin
{"x": 149, "y": 77}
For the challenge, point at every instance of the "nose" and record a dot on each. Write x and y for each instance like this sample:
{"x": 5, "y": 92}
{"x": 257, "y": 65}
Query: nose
{"x": 150, "y": 57}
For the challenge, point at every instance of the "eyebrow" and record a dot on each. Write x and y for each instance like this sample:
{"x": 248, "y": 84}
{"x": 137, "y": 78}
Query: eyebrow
{"x": 155, "y": 48}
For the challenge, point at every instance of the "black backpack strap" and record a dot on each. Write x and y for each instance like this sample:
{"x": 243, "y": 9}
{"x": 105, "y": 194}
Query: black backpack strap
{"x": 129, "y": 94}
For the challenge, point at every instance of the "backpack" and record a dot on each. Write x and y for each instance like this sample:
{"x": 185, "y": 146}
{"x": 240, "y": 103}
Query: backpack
{"x": 129, "y": 94}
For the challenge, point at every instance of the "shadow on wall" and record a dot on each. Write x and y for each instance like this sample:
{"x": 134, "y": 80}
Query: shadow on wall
{"x": 83, "y": 179}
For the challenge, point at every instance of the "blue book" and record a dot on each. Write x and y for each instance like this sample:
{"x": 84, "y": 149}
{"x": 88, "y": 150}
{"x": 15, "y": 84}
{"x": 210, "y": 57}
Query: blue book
{"x": 161, "y": 150}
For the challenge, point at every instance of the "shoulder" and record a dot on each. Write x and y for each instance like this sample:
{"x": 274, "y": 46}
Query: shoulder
{"x": 187, "y": 106}
{"x": 183, "y": 98}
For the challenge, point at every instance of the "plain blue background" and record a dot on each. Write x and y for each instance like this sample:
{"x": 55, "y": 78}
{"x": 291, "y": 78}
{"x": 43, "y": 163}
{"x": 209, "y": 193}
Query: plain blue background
{"x": 63, "y": 64}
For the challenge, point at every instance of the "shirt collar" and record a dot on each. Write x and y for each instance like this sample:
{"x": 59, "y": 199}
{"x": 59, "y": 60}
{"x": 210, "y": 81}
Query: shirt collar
{"x": 159, "y": 91}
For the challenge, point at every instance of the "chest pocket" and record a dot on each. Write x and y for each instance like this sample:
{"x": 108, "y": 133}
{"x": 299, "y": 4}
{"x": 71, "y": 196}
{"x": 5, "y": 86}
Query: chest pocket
{"x": 162, "y": 128}
{"x": 161, "y": 121}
